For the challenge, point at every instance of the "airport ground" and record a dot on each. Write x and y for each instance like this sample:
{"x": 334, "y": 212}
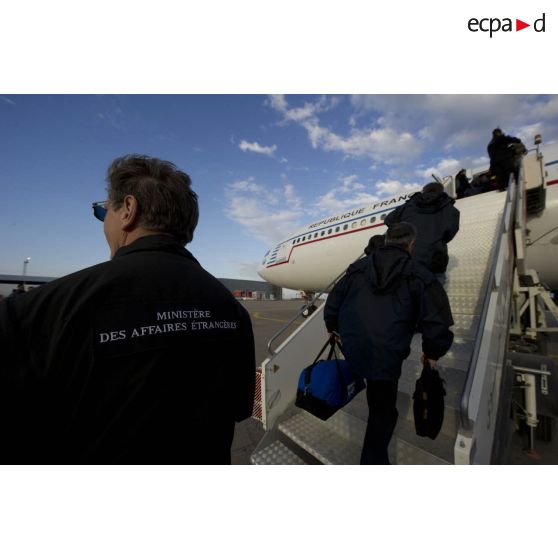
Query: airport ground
{"x": 269, "y": 316}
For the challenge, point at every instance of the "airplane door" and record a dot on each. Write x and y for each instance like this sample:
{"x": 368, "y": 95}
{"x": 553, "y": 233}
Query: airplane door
{"x": 280, "y": 254}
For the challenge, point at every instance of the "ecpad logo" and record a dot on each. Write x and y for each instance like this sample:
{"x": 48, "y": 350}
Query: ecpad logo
{"x": 493, "y": 25}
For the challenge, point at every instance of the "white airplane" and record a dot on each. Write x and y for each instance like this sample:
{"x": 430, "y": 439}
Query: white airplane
{"x": 310, "y": 258}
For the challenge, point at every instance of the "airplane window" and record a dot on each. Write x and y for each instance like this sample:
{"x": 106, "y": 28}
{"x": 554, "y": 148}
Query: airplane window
{"x": 363, "y": 222}
{"x": 345, "y": 227}
{"x": 303, "y": 238}
{"x": 329, "y": 231}
{"x": 354, "y": 225}
{"x": 323, "y": 232}
{"x": 315, "y": 235}
{"x": 372, "y": 219}
{"x": 337, "y": 229}
{"x": 383, "y": 216}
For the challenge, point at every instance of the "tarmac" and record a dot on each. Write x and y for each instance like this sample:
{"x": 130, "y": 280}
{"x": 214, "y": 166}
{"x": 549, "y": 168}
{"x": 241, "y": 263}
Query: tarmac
{"x": 269, "y": 316}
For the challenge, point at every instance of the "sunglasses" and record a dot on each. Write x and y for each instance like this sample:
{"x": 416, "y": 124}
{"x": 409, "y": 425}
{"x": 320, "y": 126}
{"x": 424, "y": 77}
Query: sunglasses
{"x": 100, "y": 209}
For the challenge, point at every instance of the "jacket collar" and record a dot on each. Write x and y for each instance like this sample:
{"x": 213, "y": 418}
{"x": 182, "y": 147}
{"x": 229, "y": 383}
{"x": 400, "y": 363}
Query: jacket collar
{"x": 157, "y": 243}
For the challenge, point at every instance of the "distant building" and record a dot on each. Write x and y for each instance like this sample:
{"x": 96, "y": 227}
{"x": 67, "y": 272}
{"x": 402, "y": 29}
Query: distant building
{"x": 255, "y": 290}
{"x": 241, "y": 288}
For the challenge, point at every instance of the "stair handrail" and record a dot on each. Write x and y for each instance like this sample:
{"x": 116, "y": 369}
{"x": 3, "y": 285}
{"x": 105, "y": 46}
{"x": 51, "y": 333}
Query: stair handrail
{"x": 465, "y": 397}
{"x": 308, "y": 305}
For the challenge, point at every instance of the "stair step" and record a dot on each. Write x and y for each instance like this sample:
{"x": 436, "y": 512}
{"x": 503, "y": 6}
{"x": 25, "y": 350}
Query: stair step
{"x": 276, "y": 453}
{"x": 411, "y": 449}
{"x": 458, "y": 355}
{"x": 466, "y": 322}
{"x": 315, "y": 437}
{"x": 471, "y": 272}
{"x": 465, "y": 304}
{"x": 468, "y": 290}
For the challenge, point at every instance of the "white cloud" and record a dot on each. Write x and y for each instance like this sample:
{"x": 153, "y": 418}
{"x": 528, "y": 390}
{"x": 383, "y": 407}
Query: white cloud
{"x": 348, "y": 193}
{"x": 255, "y": 147}
{"x": 267, "y": 214}
{"x": 246, "y": 270}
{"x": 306, "y": 111}
{"x": 445, "y": 167}
{"x": 462, "y": 121}
{"x": 381, "y": 144}
{"x": 528, "y": 131}
{"x": 291, "y": 197}
{"x": 250, "y": 186}
{"x": 480, "y": 161}
{"x": 330, "y": 203}
{"x": 393, "y": 187}
{"x": 350, "y": 184}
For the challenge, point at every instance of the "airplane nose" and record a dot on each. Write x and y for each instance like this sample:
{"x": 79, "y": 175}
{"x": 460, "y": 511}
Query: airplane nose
{"x": 262, "y": 272}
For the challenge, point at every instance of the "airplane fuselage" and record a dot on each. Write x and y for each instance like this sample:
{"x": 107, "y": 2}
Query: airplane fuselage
{"x": 312, "y": 257}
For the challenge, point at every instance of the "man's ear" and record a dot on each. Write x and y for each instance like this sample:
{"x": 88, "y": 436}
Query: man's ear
{"x": 411, "y": 246}
{"x": 130, "y": 213}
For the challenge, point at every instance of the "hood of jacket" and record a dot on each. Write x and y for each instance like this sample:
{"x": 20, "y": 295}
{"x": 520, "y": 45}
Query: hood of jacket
{"x": 430, "y": 202}
{"x": 386, "y": 266}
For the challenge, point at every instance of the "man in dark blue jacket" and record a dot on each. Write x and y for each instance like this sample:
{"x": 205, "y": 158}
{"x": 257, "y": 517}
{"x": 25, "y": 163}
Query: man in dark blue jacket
{"x": 505, "y": 156}
{"x": 437, "y": 221}
{"x": 375, "y": 309}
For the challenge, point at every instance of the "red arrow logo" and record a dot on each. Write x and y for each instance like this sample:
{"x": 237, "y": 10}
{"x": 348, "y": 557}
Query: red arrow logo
{"x": 519, "y": 25}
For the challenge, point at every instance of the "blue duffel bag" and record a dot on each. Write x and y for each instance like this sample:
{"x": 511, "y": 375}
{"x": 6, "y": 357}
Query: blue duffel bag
{"x": 326, "y": 386}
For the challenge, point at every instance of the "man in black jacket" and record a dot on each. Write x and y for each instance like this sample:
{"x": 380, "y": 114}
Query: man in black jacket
{"x": 146, "y": 358}
{"x": 375, "y": 309}
{"x": 505, "y": 155}
{"x": 461, "y": 184}
{"x": 437, "y": 221}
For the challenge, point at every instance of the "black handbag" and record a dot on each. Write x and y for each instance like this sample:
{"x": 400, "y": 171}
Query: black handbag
{"x": 428, "y": 402}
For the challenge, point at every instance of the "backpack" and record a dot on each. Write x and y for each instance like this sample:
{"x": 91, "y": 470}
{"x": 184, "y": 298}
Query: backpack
{"x": 428, "y": 402}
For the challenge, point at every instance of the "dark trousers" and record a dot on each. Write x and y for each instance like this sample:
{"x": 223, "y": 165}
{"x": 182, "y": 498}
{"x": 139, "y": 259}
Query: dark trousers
{"x": 502, "y": 173}
{"x": 382, "y": 418}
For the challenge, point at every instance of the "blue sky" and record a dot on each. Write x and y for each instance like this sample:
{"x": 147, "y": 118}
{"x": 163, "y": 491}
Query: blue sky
{"x": 261, "y": 165}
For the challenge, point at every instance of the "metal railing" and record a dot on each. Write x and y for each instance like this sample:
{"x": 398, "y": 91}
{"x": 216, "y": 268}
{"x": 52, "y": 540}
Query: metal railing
{"x": 511, "y": 197}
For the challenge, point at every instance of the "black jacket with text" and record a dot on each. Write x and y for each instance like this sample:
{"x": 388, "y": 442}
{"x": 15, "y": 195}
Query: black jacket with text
{"x": 376, "y": 308}
{"x": 437, "y": 222}
{"x": 146, "y": 358}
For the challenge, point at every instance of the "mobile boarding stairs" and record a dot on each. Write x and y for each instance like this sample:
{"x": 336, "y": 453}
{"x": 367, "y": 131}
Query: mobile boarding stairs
{"x": 486, "y": 258}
